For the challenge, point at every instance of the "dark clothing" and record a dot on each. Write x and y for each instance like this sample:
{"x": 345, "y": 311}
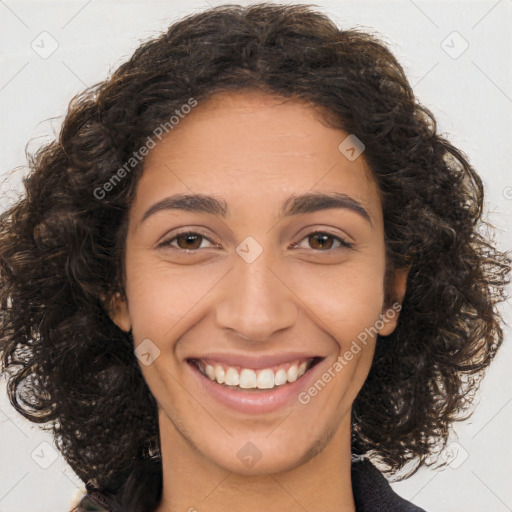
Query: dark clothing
{"x": 372, "y": 493}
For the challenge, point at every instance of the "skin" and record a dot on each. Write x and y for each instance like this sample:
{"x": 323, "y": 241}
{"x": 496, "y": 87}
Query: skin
{"x": 254, "y": 151}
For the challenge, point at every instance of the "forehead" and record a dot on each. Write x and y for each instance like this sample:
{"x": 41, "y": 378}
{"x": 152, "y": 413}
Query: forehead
{"x": 249, "y": 145}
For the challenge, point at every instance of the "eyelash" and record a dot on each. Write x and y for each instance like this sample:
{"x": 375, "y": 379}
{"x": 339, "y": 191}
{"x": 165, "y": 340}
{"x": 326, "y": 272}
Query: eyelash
{"x": 344, "y": 244}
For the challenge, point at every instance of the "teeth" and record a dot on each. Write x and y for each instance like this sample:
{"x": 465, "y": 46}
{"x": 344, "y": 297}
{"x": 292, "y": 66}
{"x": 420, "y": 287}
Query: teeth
{"x": 210, "y": 371}
{"x": 251, "y": 379}
{"x": 266, "y": 379}
{"x": 247, "y": 379}
{"x": 232, "y": 377}
{"x": 219, "y": 374}
{"x": 280, "y": 377}
{"x": 291, "y": 374}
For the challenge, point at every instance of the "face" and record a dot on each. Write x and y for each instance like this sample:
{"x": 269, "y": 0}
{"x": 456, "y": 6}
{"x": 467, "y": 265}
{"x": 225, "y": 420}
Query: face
{"x": 241, "y": 302}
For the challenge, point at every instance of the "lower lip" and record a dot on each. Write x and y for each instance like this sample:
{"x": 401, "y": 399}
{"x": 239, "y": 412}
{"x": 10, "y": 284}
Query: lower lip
{"x": 255, "y": 402}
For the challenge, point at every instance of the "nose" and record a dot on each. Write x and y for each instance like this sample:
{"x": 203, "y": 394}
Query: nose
{"x": 257, "y": 301}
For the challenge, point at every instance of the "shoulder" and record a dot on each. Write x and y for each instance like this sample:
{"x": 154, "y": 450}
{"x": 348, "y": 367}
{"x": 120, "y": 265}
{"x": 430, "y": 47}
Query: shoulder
{"x": 372, "y": 492}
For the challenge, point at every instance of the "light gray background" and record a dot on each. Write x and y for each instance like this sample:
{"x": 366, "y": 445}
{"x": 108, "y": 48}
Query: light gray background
{"x": 470, "y": 93}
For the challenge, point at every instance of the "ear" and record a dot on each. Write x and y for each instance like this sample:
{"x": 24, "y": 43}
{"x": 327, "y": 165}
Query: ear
{"x": 117, "y": 309}
{"x": 390, "y": 313}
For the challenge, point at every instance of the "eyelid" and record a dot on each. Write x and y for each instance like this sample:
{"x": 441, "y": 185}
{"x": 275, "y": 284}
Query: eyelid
{"x": 344, "y": 243}
{"x": 166, "y": 241}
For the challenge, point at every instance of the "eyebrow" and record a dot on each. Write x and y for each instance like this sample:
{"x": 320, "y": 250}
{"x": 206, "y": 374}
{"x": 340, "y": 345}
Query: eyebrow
{"x": 295, "y": 205}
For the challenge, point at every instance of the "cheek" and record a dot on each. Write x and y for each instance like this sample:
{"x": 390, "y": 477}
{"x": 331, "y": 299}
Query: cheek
{"x": 162, "y": 296}
{"x": 345, "y": 298}
{"x": 342, "y": 299}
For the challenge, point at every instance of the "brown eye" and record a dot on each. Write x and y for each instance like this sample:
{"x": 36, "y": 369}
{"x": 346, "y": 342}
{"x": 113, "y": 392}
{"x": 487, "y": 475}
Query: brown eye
{"x": 189, "y": 241}
{"x": 324, "y": 242}
{"x": 321, "y": 241}
{"x": 185, "y": 241}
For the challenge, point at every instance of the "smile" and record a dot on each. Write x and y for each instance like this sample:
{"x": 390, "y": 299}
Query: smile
{"x": 254, "y": 384}
{"x": 249, "y": 378}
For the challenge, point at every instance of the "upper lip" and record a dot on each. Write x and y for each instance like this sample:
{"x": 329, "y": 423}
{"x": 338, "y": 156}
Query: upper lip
{"x": 256, "y": 362}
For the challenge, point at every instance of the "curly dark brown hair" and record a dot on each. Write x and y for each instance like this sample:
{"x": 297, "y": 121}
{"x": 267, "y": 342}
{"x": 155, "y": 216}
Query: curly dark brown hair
{"x": 62, "y": 244}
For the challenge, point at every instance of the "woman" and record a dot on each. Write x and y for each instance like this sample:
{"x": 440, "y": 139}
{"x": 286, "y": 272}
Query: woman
{"x": 249, "y": 274}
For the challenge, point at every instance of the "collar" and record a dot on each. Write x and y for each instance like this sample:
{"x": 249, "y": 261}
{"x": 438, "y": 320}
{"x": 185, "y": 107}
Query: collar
{"x": 372, "y": 492}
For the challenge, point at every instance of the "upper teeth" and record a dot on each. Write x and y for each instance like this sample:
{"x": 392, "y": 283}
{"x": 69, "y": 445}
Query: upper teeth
{"x": 246, "y": 378}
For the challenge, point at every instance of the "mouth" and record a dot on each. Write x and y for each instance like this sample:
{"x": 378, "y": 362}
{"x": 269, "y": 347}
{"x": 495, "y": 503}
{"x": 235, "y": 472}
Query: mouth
{"x": 246, "y": 379}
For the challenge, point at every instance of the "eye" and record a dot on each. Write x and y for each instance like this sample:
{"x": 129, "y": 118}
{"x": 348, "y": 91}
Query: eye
{"x": 191, "y": 241}
{"x": 188, "y": 240}
{"x": 324, "y": 242}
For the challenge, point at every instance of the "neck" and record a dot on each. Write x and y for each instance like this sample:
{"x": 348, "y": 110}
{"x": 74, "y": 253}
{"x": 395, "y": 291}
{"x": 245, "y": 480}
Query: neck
{"x": 192, "y": 482}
